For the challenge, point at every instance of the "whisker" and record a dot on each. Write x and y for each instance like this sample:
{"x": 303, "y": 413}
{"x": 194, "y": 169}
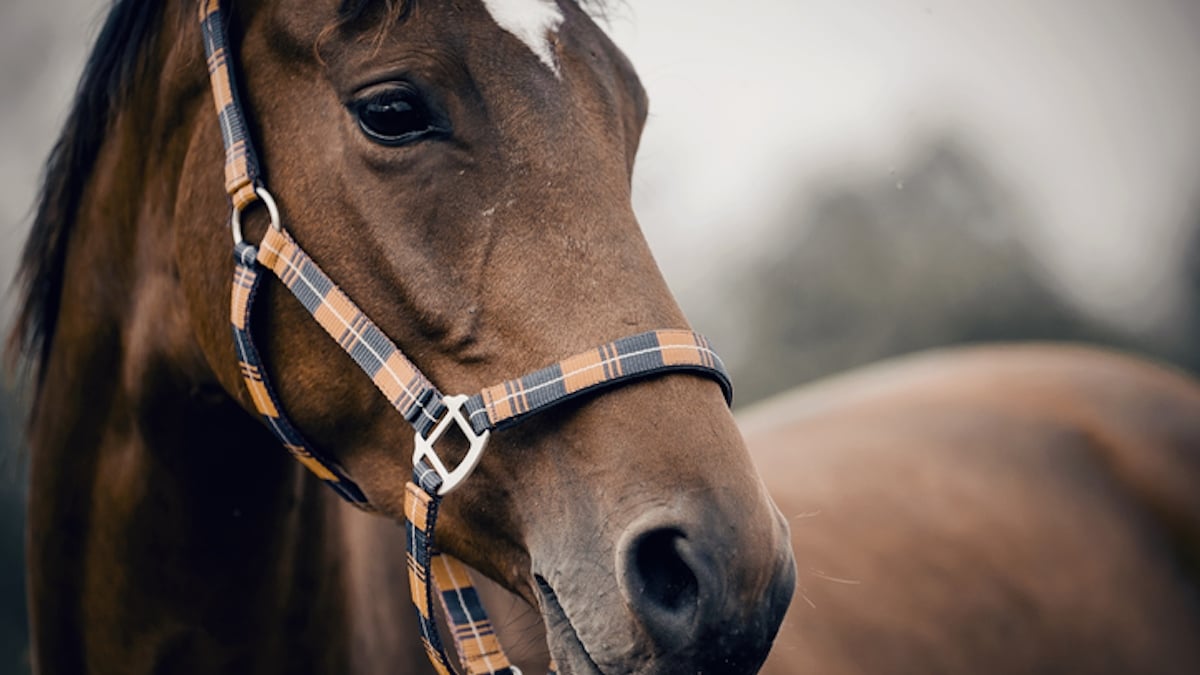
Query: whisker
{"x": 837, "y": 580}
{"x": 804, "y": 594}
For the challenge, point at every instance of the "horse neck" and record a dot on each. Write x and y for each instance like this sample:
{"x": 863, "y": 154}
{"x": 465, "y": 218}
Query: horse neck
{"x": 167, "y": 529}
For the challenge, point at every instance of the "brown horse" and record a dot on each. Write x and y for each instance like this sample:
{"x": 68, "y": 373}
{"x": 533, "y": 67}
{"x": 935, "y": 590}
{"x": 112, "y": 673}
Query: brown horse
{"x": 1021, "y": 509}
{"x": 461, "y": 169}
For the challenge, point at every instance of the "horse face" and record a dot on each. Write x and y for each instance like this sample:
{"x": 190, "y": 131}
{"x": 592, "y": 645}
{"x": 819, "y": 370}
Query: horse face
{"x": 462, "y": 171}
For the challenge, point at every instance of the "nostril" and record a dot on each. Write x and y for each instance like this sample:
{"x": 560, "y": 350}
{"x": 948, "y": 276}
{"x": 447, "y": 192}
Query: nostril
{"x": 666, "y": 580}
{"x": 662, "y": 583}
{"x": 695, "y": 601}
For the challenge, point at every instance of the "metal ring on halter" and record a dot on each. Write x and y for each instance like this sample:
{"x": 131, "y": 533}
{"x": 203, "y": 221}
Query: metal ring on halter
{"x": 235, "y": 220}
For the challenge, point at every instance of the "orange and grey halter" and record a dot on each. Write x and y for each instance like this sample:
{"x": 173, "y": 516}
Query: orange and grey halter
{"x": 429, "y": 412}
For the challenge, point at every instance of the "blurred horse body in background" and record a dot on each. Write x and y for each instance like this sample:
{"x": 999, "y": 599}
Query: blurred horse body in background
{"x": 998, "y": 509}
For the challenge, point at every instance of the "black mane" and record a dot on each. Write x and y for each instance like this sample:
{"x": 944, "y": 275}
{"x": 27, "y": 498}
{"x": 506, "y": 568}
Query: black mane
{"x": 114, "y": 65}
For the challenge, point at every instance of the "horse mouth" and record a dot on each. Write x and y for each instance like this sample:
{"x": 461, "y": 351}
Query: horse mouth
{"x": 567, "y": 649}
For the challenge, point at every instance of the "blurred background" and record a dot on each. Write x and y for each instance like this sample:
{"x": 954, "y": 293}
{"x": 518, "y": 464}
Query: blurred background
{"x": 828, "y": 183}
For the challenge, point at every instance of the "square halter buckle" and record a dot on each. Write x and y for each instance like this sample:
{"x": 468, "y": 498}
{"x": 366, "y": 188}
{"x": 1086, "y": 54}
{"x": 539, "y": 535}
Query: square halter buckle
{"x": 423, "y": 449}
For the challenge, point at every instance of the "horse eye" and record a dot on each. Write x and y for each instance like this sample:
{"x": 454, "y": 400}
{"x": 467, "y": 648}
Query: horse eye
{"x": 396, "y": 116}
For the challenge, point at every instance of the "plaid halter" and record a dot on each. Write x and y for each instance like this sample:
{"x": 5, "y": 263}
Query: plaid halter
{"x": 431, "y": 414}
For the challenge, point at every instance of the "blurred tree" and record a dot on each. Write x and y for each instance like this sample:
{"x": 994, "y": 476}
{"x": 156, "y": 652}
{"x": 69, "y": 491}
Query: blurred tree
{"x": 927, "y": 256}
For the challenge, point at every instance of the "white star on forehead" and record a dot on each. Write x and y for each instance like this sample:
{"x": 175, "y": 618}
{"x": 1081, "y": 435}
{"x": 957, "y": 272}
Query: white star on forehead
{"x": 532, "y": 21}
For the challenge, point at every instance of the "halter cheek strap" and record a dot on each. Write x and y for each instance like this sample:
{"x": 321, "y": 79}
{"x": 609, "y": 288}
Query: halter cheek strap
{"x": 431, "y": 414}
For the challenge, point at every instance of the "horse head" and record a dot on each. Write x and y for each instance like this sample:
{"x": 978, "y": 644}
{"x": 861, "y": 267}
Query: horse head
{"x": 462, "y": 170}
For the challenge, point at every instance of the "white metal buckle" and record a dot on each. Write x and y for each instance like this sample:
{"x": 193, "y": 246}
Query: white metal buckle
{"x": 424, "y": 446}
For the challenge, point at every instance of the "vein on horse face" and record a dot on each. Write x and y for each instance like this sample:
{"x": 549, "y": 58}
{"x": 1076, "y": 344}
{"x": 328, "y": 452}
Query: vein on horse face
{"x": 532, "y": 22}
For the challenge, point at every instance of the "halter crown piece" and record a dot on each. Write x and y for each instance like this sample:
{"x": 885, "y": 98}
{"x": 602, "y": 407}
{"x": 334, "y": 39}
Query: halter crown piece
{"x": 429, "y": 412}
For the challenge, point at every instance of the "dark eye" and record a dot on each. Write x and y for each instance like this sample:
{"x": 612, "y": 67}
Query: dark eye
{"x": 396, "y": 115}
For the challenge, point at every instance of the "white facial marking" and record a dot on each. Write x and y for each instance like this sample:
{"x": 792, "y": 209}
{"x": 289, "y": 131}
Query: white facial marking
{"x": 532, "y": 21}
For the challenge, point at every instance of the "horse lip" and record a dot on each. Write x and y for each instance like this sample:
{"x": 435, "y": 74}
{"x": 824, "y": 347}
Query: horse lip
{"x": 554, "y": 615}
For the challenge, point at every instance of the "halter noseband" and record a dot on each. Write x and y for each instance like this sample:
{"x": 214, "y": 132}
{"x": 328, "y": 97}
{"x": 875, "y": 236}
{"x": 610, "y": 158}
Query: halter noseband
{"x": 430, "y": 413}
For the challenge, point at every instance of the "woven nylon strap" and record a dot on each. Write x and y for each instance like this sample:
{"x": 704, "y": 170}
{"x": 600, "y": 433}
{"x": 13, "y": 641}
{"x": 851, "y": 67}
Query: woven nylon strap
{"x": 406, "y": 388}
{"x": 474, "y": 637}
{"x": 241, "y": 165}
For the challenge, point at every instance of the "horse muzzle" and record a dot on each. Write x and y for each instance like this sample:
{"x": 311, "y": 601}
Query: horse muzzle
{"x": 694, "y": 594}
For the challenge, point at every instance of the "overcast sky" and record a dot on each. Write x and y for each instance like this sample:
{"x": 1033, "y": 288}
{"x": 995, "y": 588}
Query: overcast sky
{"x": 1089, "y": 109}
